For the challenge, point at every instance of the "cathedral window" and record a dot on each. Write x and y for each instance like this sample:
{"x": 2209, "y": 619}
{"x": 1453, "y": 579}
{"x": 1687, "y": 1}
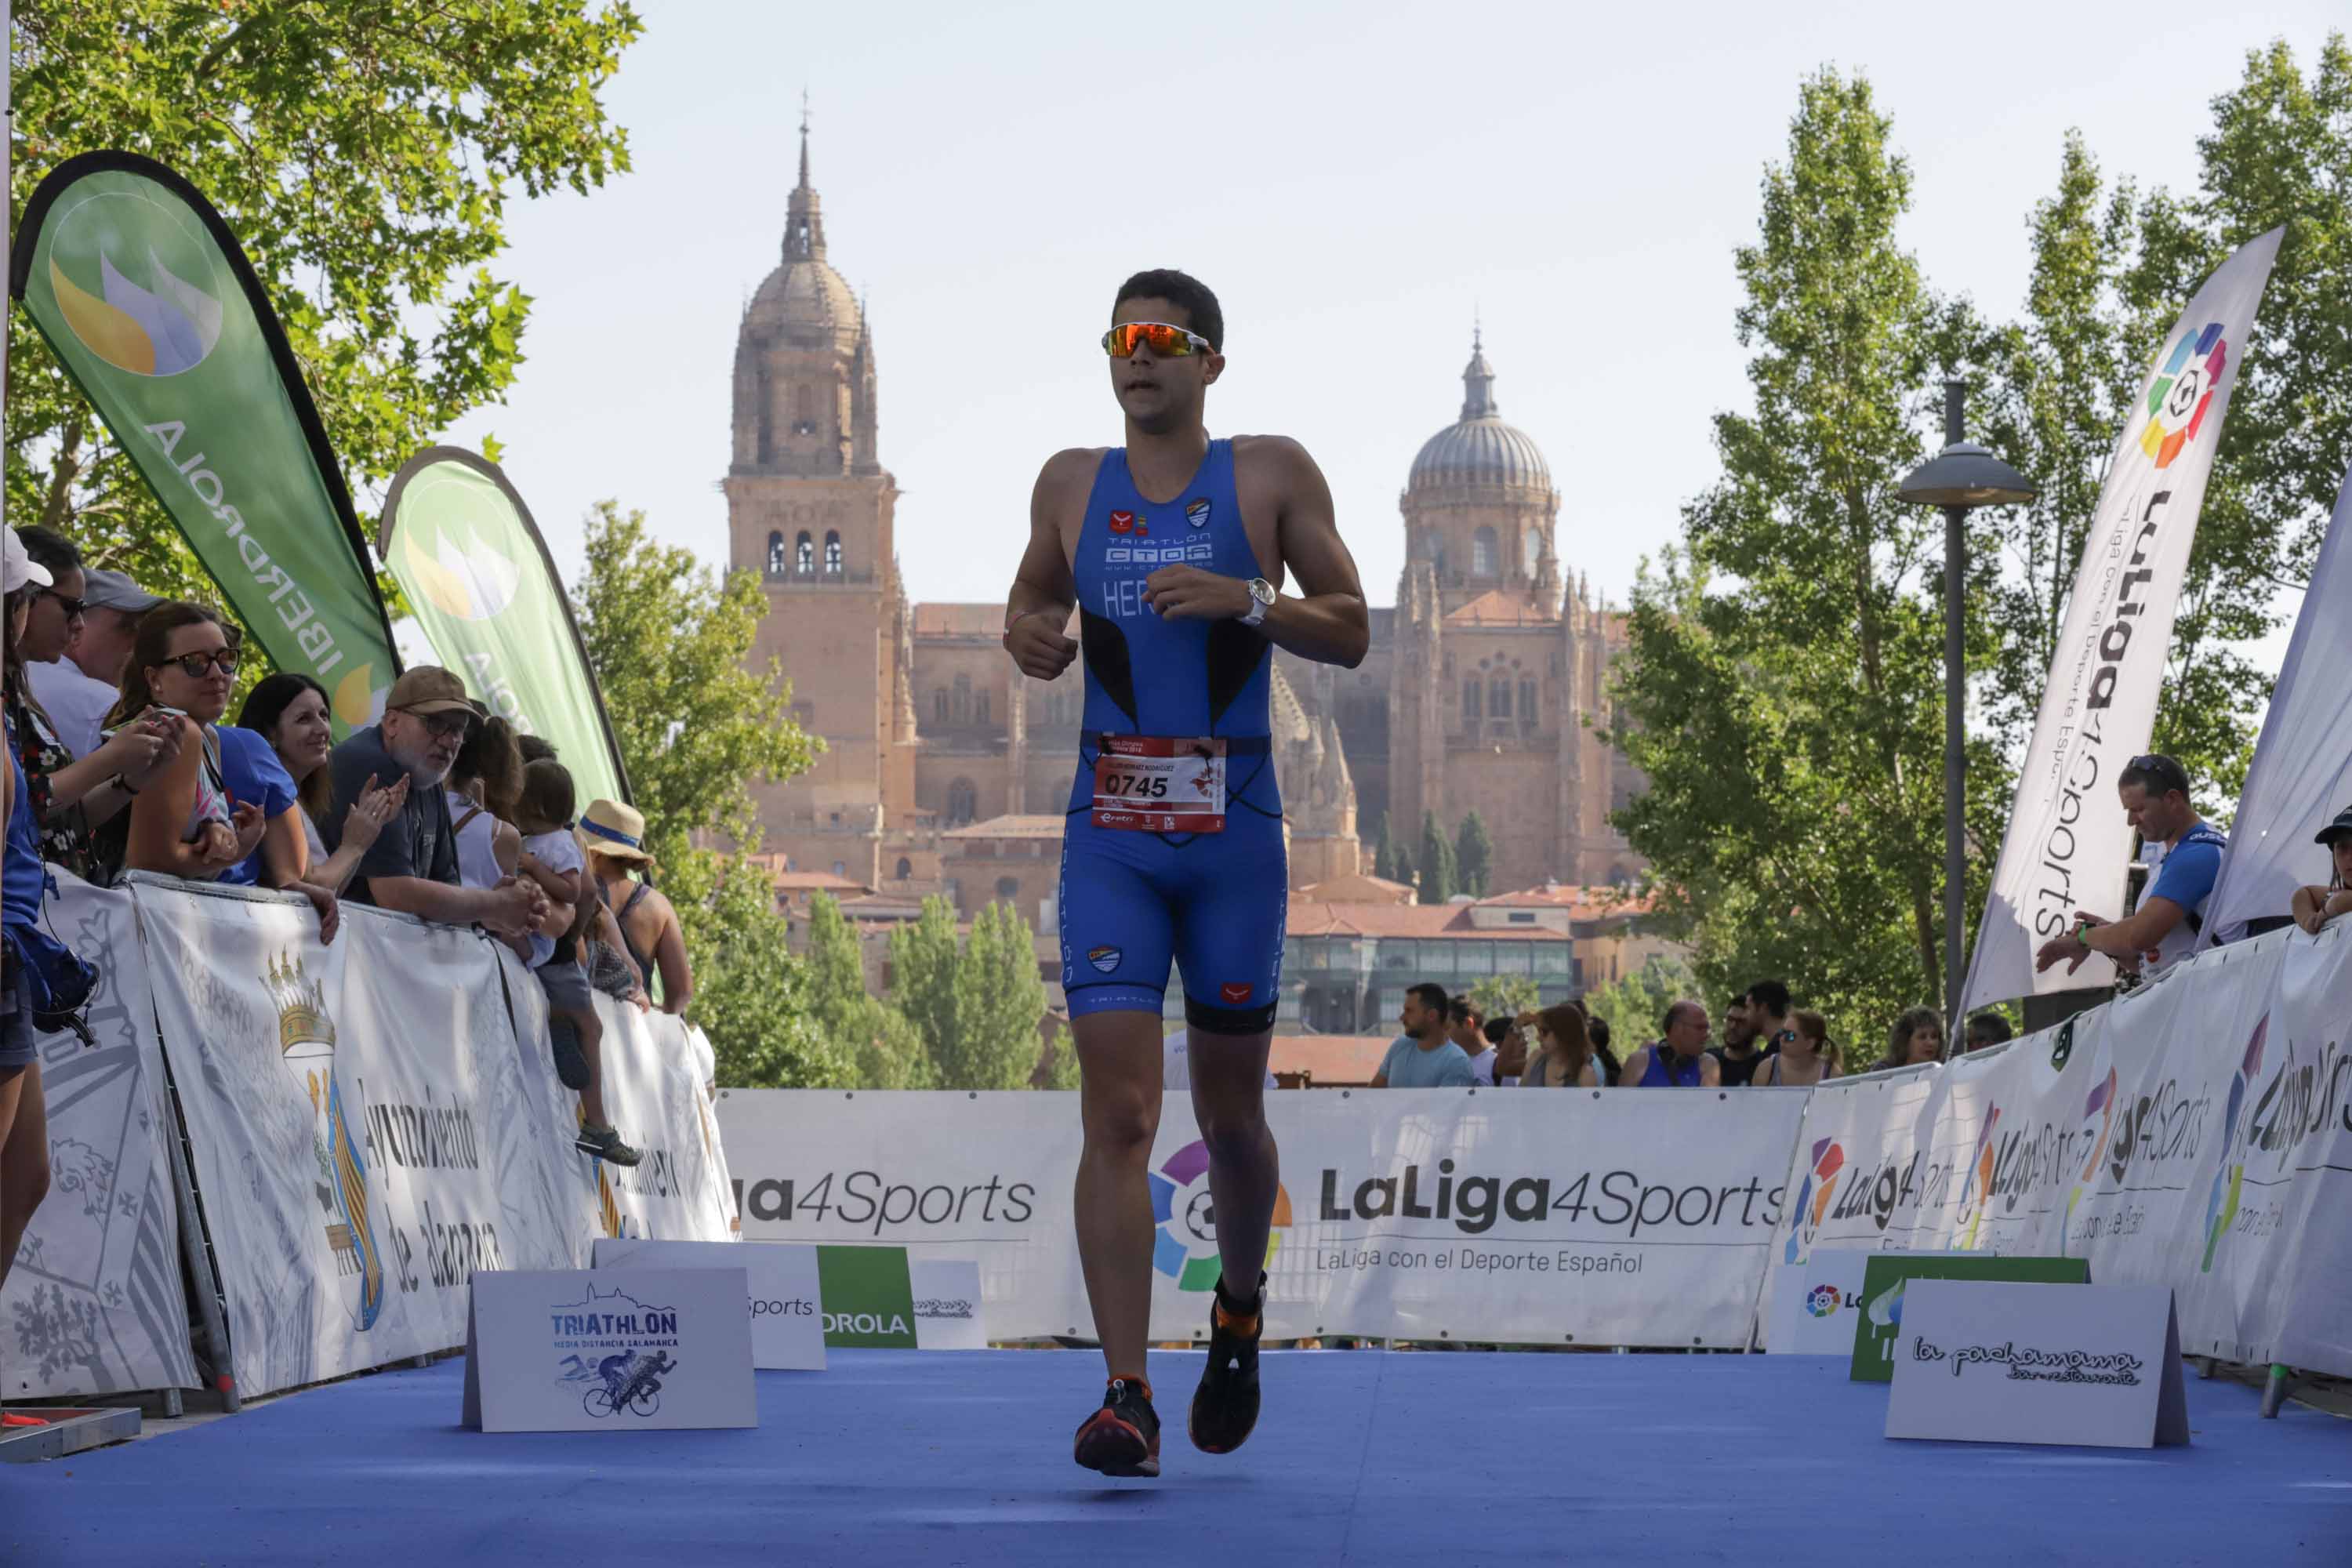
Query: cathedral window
{"x": 803, "y": 555}
{"x": 832, "y": 553}
{"x": 804, "y": 410}
{"x": 1008, "y": 888}
{"x": 1530, "y": 550}
{"x": 962, "y": 706}
{"x": 963, "y": 803}
{"x": 979, "y": 708}
{"x": 1528, "y": 709}
{"x": 905, "y": 867}
{"x": 1498, "y": 698}
{"x": 1471, "y": 690}
{"x": 775, "y": 554}
{"x": 1486, "y": 554}
{"x": 940, "y": 705}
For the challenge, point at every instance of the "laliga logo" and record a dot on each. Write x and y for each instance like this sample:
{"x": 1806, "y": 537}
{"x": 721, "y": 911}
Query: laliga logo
{"x": 2183, "y": 392}
{"x": 2221, "y": 1203}
{"x": 160, "y": 324}
{"x": 1193, "y": 1222}
{"x": 1822, "y": 1300}
{"x": 1813, "y": 1199}
{"x": 1976, "y": 1195}
{"x": 2102, "y": 1105}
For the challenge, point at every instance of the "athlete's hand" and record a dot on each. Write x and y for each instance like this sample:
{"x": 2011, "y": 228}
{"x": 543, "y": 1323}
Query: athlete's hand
{"x": 1038, "y": 648}
{"x": 1188, "y": 594}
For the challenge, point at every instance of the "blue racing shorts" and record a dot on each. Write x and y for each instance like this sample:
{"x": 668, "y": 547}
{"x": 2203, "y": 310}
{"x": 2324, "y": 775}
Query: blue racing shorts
{"x": 1216, "y": 904}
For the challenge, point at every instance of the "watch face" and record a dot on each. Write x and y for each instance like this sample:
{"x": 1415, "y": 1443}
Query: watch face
{"x": 1262, "y": 591}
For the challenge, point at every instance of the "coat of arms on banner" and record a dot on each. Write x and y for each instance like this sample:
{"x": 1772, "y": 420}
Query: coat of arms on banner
{"x": 305, "y": 1044}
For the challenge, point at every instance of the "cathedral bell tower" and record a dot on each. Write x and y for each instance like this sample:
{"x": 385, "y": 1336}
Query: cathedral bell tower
{"x": 812, "y": 510}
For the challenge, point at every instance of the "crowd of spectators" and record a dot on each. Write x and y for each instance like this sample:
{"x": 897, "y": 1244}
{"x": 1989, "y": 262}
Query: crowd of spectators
{"x": 123, "y": 758}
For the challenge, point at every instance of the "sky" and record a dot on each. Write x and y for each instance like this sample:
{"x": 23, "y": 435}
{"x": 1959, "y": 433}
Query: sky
{"x": 1358, "y": 183}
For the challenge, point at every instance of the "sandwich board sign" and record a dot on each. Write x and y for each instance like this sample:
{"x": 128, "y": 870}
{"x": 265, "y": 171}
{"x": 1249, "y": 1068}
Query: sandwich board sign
{"x": 1815, "y": 1303}
{"x": 1886, "y": 1278}
{"x": 868, "y": 1297}
{"x": 626, "y": 1350}
{"x": 787, "y": 1320}
{"x": 1998, "y": 1361}
{"x": 948, "y": 1312}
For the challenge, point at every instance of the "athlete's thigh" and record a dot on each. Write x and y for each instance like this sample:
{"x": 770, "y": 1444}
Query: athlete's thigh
{"x": 1117, "y": 926}
{"x": 1230, "y": 920}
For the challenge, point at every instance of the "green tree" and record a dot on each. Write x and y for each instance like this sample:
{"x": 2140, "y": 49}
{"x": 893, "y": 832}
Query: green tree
{"x": 669, "y": 643}
{"x": 1795, "y": 641}
{"x": 1384, "y": 852}
{"x": 924, "y": 958}
{"x": 999, "y": 1003}
{"x": 1438, "y": 874}
{"x": 1634, "y": 1004}
{"x": 882, "y": 1049}
{"x": 1474, "y": 854}
{"x": 1504, "y": 995}
{"x": 363, "y": 153}
{"x": 1401, "y": 866}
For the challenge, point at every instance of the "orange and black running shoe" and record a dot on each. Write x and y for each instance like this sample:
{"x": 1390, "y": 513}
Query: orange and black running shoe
{"x": 1225, "y": 1407}
{"x": 1122, "y": 1438}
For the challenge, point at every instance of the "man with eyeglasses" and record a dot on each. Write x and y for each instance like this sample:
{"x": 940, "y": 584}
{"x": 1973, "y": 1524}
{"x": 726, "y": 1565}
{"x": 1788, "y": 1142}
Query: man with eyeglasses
{"x": 413, "y": 865}
{"x": 2184, "y": 859}
{"x": 1171, "y": 551}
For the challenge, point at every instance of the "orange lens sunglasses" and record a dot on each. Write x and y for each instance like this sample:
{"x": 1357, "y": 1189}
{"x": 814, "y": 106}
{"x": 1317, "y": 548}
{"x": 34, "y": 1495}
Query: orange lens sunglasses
{"x": 1167, "y": 342}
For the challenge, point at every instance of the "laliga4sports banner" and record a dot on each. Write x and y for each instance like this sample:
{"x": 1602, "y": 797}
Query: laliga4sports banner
{"x": 149, "y": 303}
{"x": 2068, "y": 845}
{"x": 1414, "y": 1213}
{"x": 2195, "y": 1133}
{"x": 465, "y": 552}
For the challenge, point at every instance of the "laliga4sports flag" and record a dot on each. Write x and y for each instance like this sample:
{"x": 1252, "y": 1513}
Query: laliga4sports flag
{"x": 147, "y": 300}
{"x": 464, "y": 549}
{"x": 2068, "y": 845}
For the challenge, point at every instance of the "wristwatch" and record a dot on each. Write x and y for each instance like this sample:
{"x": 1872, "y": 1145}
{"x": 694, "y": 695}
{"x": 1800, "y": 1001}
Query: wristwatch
{"x": 1260, "y": 594}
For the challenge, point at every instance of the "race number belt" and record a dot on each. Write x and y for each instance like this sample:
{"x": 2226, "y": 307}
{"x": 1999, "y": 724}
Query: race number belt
{"x": 1159, "y": 784}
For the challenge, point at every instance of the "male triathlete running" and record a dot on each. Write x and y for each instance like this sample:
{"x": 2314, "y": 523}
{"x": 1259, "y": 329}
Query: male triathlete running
{"x": 1172, "y": 550}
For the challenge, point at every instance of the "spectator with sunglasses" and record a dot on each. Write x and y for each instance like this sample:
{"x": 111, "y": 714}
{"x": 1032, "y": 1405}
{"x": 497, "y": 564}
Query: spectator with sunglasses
{"x": 79, "y": 688}
{"x": 184, "y": 824}
{"x": 2184, "y": 860}
{"x": 413, "y": 865}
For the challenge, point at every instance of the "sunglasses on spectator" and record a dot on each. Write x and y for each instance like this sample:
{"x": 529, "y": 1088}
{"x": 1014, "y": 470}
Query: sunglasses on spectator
{"x": 72, "y": 608}
{"x": 1166, "y": 340}
{"x": 443, "y": 725}
{"x": 197, "y": 665}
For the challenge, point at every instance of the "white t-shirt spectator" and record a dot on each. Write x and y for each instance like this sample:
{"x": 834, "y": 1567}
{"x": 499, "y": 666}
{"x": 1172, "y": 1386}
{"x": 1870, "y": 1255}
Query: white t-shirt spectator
{"x": 1482, "y": 1066}
{"x": 478, "y": 859}
{"x": 559, "y": 852}
{"x": 75, "y": 704}
{"x": 1176, "y": 1064}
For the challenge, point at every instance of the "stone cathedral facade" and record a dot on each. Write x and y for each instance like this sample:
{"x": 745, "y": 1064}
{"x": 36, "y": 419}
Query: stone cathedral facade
{"x": 1481, "y": 691}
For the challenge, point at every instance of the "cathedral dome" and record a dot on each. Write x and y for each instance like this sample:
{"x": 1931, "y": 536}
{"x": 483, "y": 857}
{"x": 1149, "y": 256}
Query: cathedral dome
{"x": 804, "y": 299}
{"x": 1479, "y": 450}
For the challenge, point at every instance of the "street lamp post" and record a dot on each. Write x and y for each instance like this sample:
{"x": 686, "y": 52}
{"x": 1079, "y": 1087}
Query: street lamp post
{"x": 1959, "y": 478}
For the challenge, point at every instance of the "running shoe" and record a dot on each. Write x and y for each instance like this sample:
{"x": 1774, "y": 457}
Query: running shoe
{"x": 606, "y": 1145}
{"x": 1122, "y": 1438}
{"x": 1225, "y": 1407}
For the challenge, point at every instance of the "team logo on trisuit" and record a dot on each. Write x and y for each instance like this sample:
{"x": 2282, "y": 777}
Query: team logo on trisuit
{"x": 1105, "y": 958}
{"x": 1122, "y": 523}
{"x": 1196, "y": 511}
{"x": 1234, "y": 995}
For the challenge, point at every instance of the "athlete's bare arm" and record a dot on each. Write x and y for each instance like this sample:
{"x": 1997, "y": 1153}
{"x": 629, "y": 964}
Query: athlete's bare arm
{"x": 1286, "y": 507}
{"x": 1043, "y": 593}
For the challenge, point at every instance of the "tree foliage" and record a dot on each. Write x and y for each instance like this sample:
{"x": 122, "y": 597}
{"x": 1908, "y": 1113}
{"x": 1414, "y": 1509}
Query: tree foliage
{"x": 1504, "y": 995}
{"x": 999, "y": 1003}
{"x": 1473, "y": 855}
{"x": 924, "y": 957}
{"x": 670, "y": 642}
{"x": 363, "y": 153}
{"x": 1438, "y": 872}
{"x": 1635, "y": 1005}
{"x": 1782, "y": 692}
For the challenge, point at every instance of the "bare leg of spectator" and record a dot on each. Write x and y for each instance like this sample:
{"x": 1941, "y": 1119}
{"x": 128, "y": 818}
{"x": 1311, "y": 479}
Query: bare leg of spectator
{"x": 24, "y": 1158}
{"x": 592, "y": 1048}
{"x": 1228, "y": 1074}
{"x": 1119, "y": 1101}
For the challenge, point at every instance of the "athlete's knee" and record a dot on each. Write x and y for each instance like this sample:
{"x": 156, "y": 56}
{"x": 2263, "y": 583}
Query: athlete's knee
{"x": 1236, "y": 1133}
{"x": 1121, "y": 1120}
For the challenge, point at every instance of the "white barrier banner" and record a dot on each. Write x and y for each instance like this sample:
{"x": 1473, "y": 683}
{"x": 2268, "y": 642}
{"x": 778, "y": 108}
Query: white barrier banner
{"x": 1599, "y": 1218}
{"x": 94, "y": 1303}
{"x": 2196, "y": 1135}
{"x": 370, "y": 1125}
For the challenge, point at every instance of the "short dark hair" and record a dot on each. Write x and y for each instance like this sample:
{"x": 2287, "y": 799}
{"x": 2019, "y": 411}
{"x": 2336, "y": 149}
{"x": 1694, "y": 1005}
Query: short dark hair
{"x": 534, "y": 748}
{"x": 2157, "y": 773}
{"x": 1431, "y": 994}
{"x": 50, "y": 548}
{"x": 1989, "y": 1026}
{"x": 1772, "y": 995}
{"x": 1201, "y": 311}
{"x": 1462, "y": 1010}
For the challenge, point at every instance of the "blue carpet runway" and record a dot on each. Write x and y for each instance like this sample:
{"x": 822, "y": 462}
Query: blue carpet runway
{"x": 1362, "y": 1458}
